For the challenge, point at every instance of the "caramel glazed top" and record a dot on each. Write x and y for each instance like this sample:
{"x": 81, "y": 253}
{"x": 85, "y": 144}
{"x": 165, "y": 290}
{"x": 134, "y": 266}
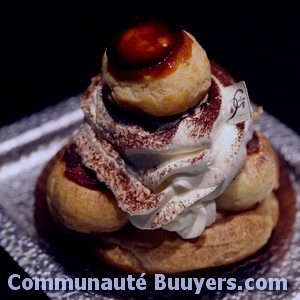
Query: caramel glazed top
{"x": 152, "y": 47}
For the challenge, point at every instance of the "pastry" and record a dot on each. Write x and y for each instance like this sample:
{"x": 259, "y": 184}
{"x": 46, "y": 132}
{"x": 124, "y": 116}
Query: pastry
{"x": 159, "y": 171}
{"x": 156, "y": 68}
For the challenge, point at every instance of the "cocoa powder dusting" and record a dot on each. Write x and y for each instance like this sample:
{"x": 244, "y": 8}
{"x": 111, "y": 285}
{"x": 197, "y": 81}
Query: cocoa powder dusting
{"x": 131, "y": 195}
{"x": 165, "y": 216}
{"x": 221, "y": 74}
{"x": 127, "y": 130}
{"x": 201, "y": 124}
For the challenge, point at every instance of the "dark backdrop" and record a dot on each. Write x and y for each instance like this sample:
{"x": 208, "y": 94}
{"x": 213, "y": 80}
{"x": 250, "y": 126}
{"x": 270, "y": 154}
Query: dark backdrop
{"x": 52, "y": 48}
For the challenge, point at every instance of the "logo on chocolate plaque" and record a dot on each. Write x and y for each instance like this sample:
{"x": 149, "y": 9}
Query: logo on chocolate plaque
{"x": 240, "y": 102}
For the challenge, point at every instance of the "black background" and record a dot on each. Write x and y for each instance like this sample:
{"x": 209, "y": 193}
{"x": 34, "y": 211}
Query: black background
{"x": 51, "y": 49}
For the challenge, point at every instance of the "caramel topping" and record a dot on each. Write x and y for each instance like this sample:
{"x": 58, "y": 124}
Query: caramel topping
{"x": 77, "y": 172}
{"x": 149, "y": 47}
{"x": 253, "y": 144}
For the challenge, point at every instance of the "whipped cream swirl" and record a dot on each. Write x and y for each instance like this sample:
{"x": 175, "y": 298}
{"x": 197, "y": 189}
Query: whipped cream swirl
{"x": 165, "y": 175}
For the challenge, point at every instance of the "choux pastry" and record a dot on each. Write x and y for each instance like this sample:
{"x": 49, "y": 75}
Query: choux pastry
{"x": 175, "y": 81}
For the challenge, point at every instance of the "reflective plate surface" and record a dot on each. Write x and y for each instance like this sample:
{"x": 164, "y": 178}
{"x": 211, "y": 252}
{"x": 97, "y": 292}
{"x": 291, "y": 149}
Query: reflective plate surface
{"x": 27, "y": 146}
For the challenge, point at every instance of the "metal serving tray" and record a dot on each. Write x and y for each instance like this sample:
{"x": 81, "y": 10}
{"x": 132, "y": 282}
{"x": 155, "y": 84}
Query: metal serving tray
{"x": 25, "y": 148}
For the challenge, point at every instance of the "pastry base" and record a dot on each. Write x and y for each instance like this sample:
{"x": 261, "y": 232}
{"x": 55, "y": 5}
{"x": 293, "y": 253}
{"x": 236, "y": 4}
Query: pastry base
{"x": 167, "y": 249}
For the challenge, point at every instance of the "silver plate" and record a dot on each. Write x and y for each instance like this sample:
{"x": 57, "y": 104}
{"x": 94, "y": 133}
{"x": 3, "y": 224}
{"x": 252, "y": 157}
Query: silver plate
{"x": 25, "y": 148}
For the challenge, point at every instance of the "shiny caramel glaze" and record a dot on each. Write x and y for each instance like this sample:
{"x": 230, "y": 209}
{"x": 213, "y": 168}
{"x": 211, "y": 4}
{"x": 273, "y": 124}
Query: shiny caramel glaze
{"x": 149, "y": 47}
{"x": 253, "y": 144}
{"x": 77, "y": 172}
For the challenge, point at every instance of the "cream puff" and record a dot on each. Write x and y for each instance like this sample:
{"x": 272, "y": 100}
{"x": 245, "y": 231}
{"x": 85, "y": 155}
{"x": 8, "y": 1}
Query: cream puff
{"x": 156, "y": 68}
